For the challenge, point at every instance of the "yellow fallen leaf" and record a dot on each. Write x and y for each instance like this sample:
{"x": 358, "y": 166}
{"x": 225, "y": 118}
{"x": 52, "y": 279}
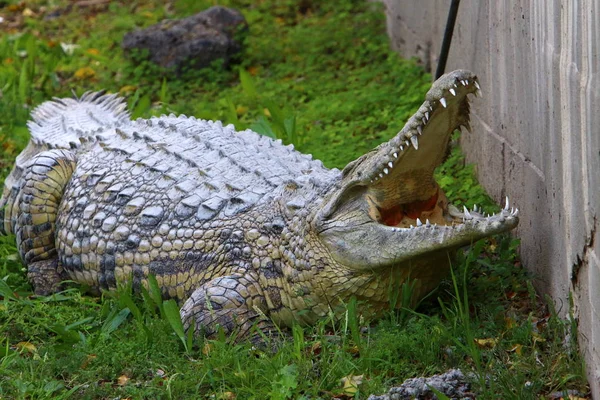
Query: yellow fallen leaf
{"x": 122, "y": 380}
{"x": 510, "y": 322}
{"x": 85, "y": 73}
{"x": 486, "y": 343}
{"x": 28, "y": 13}
{"x": 267, "y": 112}
{"x": 316, "y": 348}
{"x": 241, "y": 110}
{"x": 228, "y": 396}
{"x": 517, "y": 348}
{"x": 207, "y": 349}
{"x": 351, "y": 383}
{"x": 26, "y": 346}
{"x": 127, "y": 89}
{"x": 537, "y": 338}
{"x": 93, "y": 51}
{"x": 88, "y": 359}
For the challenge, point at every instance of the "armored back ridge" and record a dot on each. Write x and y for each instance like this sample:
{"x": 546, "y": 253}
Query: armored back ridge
{"x": 242, "y": 230}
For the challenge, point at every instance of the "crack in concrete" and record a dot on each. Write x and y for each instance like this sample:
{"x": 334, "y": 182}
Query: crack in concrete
{"x": 526, "y": 160}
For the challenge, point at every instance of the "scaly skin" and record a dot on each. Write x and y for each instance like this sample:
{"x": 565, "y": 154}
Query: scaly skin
{"x": 242, "y": 230}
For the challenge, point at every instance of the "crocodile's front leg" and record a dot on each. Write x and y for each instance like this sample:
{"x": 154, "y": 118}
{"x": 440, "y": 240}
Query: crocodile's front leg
{"x": 235, "y": 303}
{"x": 38, "y": 199}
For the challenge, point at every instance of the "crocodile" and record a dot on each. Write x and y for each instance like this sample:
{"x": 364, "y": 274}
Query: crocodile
{"x": 247, "y": 234}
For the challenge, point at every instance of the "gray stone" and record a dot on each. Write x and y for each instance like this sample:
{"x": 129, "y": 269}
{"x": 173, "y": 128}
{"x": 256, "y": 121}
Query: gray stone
{"x": 195, "y": 41}
{"x": 452, "y": 383}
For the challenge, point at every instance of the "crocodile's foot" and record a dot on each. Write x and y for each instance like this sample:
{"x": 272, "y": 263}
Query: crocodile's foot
{"x": 231, "y": 303}
{"x": 45, "y": 276}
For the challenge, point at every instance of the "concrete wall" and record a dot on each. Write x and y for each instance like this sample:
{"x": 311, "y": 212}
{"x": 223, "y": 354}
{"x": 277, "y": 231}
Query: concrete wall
{"x": 537, "y": 130}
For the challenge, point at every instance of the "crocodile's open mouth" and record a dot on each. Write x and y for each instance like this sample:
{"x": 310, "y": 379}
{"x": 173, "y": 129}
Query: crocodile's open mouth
{"x": 389, "y": 199}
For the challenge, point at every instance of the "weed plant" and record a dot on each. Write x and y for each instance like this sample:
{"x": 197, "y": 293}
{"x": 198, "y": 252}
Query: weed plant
{"x": 319, "y": 75}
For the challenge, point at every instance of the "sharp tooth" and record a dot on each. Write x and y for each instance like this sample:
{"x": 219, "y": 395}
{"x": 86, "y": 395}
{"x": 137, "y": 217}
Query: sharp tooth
{"x": 452, "y": 91}
{"x": 464, "y": 83}
{"x": 424, "y": 120}
{"x": 380, "y": 175}
{"x": 516, "y": 212}
{"x": 391, "y": 165}
{"x": 506, "y": 207}
{"x": 426, "y": 115}
{"x": 415, "y": 142}
{"x": 419, "y": 223}
{"x": 386, "y": 171}
{"x": 419, "y": 129}
{"x": 427, "y": 223}
{"x": 443, "y": 102}
{"x": 395, "y": 155}
{"x": 401, "y": 148}
{"x": 455, "y": 85}
{"x": 453, "y": 211}
{"x": 477, "y": 85}
{"x": 407, "y": 143}
{"x": 475, "y": 207}
{"x": 467, "y": 213}
{"x": 412, "y": 227}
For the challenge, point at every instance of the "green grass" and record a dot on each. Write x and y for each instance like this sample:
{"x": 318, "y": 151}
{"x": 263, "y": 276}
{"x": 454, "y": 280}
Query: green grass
{"x": 324, "y": 79}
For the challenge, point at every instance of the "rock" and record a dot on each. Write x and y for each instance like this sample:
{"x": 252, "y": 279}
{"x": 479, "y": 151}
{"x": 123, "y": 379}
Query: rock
{"x": 452, "y": 383}
{"x": 194, "y": 42}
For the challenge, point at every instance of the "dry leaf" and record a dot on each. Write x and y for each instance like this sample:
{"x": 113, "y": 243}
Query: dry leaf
{"x": 88, "y": 359}
{"x": 85, "y": 73}
{"x": 207, "y": 348}
{"x": 267, "y": 112}
{"x": 350, "y": 384}
{"x": 537, "y": 338}
{"x": 93, "y": 51}
{"x": 488, "y": 343}
{"x": 510, "y": 322}
{"x": 241, "y": 110}
{"x": 316, "y": 348}
{"x": 122, "y": 380}
{"x": 26, "y": 346}
{"x": 518, "y": 349}
{"x": 127, "y": 89}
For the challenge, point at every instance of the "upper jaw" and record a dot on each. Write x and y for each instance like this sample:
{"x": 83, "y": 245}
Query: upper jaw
{"x": 401, "y": 170}
{"x": 425, "y": 136}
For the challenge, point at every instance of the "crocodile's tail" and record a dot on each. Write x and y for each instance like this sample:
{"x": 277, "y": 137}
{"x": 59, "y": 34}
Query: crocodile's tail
{"x": 60, "y": 124}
